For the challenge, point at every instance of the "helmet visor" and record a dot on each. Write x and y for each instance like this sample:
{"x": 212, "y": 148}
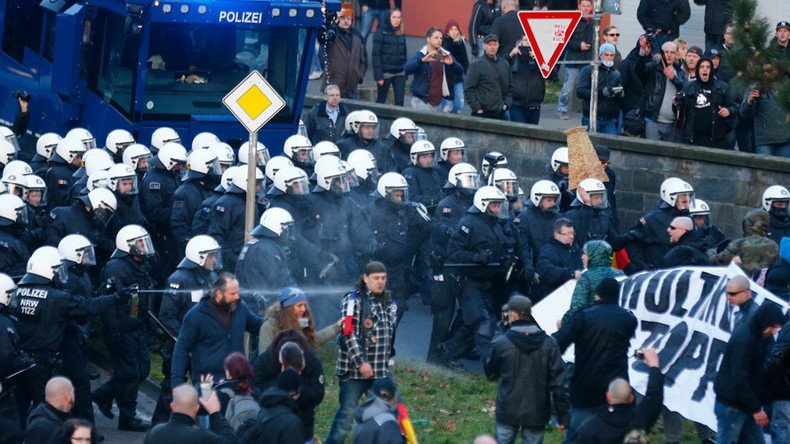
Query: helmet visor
{"x": 373, "y": 175}
{"x": 215, "y": 168}
{"x": 469, "y": 181}
{"x": 89, "y": 144}
{"x": 298, "y": 187}
{"x": 21, "y": 216}
{"x": 120, "y": 146}
{"x": 11, "y": 138}
{"x": 213, "y": 260}
{"x": 509, "y": 187}
{"x": 454, "y": 156}
{"x": 86, "y": 256}
{"x": 353, "y": 180}
{"x": 339, "y": 184}
{"x": 61, "y": 275}
{"x": 35, "y": 196}
{"x": 142, "y": 246}
{"x": 499, "y": 209}
{"x": 420, "y": 135}
{"x": 127, "y": 185}
{"x": 102, "y": 216}
{"x": 397, "y": 194}
{"x": 172, "y": 140}
{"x": 302, "y": 131}
{"x": 599, "y": 200}
{"x": 303, "y": 154}
{"x": 368, "y": 131}
{"x": 262, "y": 157}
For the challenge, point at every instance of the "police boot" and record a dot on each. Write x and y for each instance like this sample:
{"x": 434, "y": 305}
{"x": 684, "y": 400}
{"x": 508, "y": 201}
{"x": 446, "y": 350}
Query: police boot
{"x": 133, "y": 425}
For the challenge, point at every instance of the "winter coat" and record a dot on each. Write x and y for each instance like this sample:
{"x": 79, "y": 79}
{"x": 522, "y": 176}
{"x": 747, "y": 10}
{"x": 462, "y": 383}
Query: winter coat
{"x": 602, "y": 336}
{"x": 536, "y": 227}
{"x": 183, "y": 429}
{"x": 457, "y": 49}
{"x": 346, "y": 59}
{"x": 653, "y": 239}
{"x": 488, "y": 84}
{"x": 269, "y": 330}
{"x": 584, "y": 33}
{"x": 655, "y": 81}
{"x": 755, "y": 249}
{"x": 608, "y": 107}
{"x": 612, "y": 423}
{"x": 739, "y": 382}
{"x": 529, "y": 365}
{"x": 777, "y": 366}
{"x": 276, "y": 422}
{"x": 529, "y": 86}
{"x": 508, "y": 29}
{"x": 45, "y": 424}
{"x": 698, "y": 98}
{"x": 188, "y": 279}
{"x": 422, "y": 74}
{"x": 593, "y": 224}
{"x": 689, "y": 250}
{"x": 319, "y": 125}
{"x": 779, "y": 226}
{"x": 483, "y": 16}
{"x": 389, "y": 51}
{"x": 718, "y": 14}
{"x": 377, "y": 423}
{"x": 557, "y": 264}
{"x": 633, "y": 85}
{"x": 770, "y": 126}
{"x": 425, "y": 185}
{"x": 599, "y": 267}
{"x": 666, "y": 15}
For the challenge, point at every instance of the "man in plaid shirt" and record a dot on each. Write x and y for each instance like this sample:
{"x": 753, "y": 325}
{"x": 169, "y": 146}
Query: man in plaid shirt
{"x": 369, "y": 317}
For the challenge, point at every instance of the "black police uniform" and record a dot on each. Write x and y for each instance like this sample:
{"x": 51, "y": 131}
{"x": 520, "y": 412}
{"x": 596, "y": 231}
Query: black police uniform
{"x": 536, "y": 227}
{"x": 480, "y": 240}
{"x": 593, "y": 224}
{"x": 362, "y": 195}
{"x": 73, "y": 219}
{"x": 13, "y": 252}
{"x": 11, "y": 361}
{"x": 39, "y": 165}
{"x": 78, "y": 188}
{"x": 37, "y": 225}
{"x": 227, "y": 224}
{"x": 124, "y": 334}
{"x": 779, "y": 226}
{"x": 127, "y": 213}
{"x": 303, "y": 260}
{"x": 400, "y": 152}
{"x": 385, "y": 162}
{"x": 44, "y": 312}
{"x": 183, "y": 289}
{"x": 156, "y": 201}
{"x": 425, "y": 185}
{"x": 263, "y": 262}
{"x": 443, "y": 167}
{"x": 186, "y": 200}
{"x": 203, "y": 215}
{"x": 59, "y": 180}
{"x": 566, "y": 196}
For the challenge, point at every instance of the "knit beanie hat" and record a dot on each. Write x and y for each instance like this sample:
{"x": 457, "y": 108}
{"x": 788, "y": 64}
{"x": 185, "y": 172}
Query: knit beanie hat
{"x": 608, "y": 290}
{"x": 290, "y": 381}
{"x": 291, "y": 296}
{"x": 607, "y": 47}
{"x": 374, "y": 267}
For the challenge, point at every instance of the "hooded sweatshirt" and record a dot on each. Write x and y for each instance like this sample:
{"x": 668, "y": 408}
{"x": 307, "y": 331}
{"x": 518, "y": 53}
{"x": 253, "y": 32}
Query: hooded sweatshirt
{"x": 599, "y": 267}
{"x": 377, "y": 423}
{"x": 755, "y": 249}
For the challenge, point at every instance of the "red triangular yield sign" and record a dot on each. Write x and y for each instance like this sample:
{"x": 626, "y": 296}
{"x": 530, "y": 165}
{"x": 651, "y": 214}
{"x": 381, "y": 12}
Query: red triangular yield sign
{"x": 548, "y": 33}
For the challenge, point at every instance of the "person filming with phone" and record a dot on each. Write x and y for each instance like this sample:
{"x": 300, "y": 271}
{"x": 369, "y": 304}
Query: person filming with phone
{"x": 430, "y": 66}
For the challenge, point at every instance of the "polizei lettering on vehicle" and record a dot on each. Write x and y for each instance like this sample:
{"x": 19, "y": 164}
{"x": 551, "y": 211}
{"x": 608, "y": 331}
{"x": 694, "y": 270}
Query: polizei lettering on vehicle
{"x": 240, "y": 17}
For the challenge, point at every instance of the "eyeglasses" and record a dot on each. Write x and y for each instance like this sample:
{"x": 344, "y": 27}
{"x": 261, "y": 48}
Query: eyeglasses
{"x": 733, "y": 293}
{"x": 614, "y": 35}
{"x": 674, "y": 228}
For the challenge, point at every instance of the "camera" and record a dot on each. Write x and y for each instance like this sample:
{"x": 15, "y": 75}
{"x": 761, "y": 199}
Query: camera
{"x": 639, "y": 354}
{"x": 22, "y": 95}
{"x": 439, "y": 56}
{"x": 650, "y": 36}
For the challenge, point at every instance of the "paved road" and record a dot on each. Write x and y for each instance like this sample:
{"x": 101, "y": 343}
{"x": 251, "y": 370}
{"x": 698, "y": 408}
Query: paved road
{"x": 109, "y": 427}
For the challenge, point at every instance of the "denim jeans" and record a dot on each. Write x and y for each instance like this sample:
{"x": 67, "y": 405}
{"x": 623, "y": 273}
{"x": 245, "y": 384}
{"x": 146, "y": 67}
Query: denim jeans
{"x": 522, "y": 114}
{"x": 659, "y": 131}
{"x": 606, "y": 126}
{"x": 735, "y": 426}
{"x": 780, "y": 423}
{"x": 398, "y": 87}
{"x": 506, "y": 434}
{"x": 579, "y": 417}
{"x": 351, "y": 391}
{"x": 369, "y": 17}
{"x": 458, "y": 100}
{"x": 776, "y": 149}
{"x": 569, "y": 76}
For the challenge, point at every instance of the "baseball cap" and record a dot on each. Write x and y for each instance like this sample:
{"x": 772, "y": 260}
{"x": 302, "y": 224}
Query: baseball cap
{"x": 491, "y": 38}
{"x": 783, "y": 24}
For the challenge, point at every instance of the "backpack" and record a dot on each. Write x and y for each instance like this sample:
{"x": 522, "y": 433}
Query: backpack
{"x": 240, "y": 408}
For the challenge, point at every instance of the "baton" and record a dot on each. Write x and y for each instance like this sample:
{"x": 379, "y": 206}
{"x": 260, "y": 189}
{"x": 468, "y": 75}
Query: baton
{"x": 17, "y": 373}
{"x": 162, "y": 326}
{"x": 327, "y": 268}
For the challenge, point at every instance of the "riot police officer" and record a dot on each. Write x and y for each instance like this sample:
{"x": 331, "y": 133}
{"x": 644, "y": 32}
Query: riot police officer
{"x": 559, "y": 169}
{"x": 491, "y": 161}
{"x": 13, "y": 227}
{"x": 365, "y": 168}
{"x": 123, "y": 183}
{"x": 88, "y": 215}
{"x": 699, "y": 211}
{"x": 776, "y": 201}
{"x": 261, "y": 155}
{"x": 156, "y": 200}
{"x": 227, "y": 221}
{"x": 192, "y": 278}
{"x": 204, "y": 213}
{"x": 452, "y": 151}
{"x": 263, "y": 263}
{"x": 94, "y": 160}
{"x": 202, "y": 141}
{"x": 224, "y": 154}
{"x": 60, "y": 177}
{"x": 45, "y": 147}
{"x": 116, "y": 143}
{"x": 34, "y": 195}
{"x": 484, "y": 251}
{"x": 425, "y": 182}
{"x": 11, "y": 362}
{"x": 203, "y": 174}
{"x": 44, "y": 311}
{"x": 123, "y": 327}
{"x": 138, "y": 156}
{"x": 364, "y": 134}
{"x": 536, "y": 220}
{"x": 161, "y": 137}
{"x": 591, "y": 216}
{"x": 403, "y": 133}
{"x": 299, "y": 150}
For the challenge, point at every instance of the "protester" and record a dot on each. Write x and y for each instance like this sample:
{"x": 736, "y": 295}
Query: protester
{"x": 777, "y": 378}
{"x": 771, "y": 135}
{"x": 276, "y": 422}
{"x": 689, "y": 62}
{"x": 687, "y": 244}
{"x": 529, "y": 86}
{"x": 182, "y": 426}
{"x": 455, "y": 42}
{"x": 754, "y": 250}
{"x": 663, "y": 18}
{"x": 633, "y": 110}
{"x": 611, "y": 35}
{"x": 236, "y": 401}
{"x": 325, "y": 120}
{"x": 388, "y": 57}
{"x": 377, "y": 418}
{"x": 46, "y": 420}
{"x": 662, "y": 82}
{"x": 597, "y": 262}
{"x": 292, "y": 311}
{"x": 430, "y": 67}
{"x": 488, "y": 89}
{"x": 559, "y": 261}
{"x": 483, "y": 14}
{"x": 507, "y": 27}
{"x": 346, "y": 59}
{"x": 610, "y": 92}
{"x": 78, "y": 431}
{"x": 373, "y": 10}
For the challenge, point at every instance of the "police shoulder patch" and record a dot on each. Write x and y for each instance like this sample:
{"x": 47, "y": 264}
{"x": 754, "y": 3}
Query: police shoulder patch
{"x": 220, "y": 208}
{"x": 63, "y": 182}
{"x": 53, "y": 215}
{"x": 154, "y": 186}
{"x": 178, "y": 203}
{"x": 465, "y": 229}
{"x": 175, "y": 285}
{"x": 447, "y": 210}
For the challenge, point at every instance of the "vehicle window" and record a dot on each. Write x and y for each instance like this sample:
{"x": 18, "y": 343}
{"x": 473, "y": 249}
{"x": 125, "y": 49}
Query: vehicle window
{"x": 21, "y": 28}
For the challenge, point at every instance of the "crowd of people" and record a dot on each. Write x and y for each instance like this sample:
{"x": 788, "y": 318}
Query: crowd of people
{"x": 660, "y": 87}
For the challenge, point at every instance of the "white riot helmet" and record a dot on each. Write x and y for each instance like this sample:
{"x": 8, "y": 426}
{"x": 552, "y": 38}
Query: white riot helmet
{"x": 491, "y": 161}
{"x": 364, "y": 165}
{"x": 672, "y": 188}
{"x": 224, "y": 153}
{"x": 68, "y": 150}
{"x": 103, "y": 205}
{"x": 46, "y": 263}
{"x": 133, "y": 240}
{"x": 324, "y": 148}
{"x": 238, "y": 179}
{"x": 172, "y": 154}
{"x": 8, "y": 135}
{"x": 276, "y": 220}
{"x": 7, "y": 152}
{"x": 7, "y": 290}
{"x": 98, "y": 180}
{"x": 227, "y": 179}
{"x": 15, "y": 183}
{"x": 332, "y": 176}
{"x": 16, "y": 168}
{"x": 452, "y": 144}
{"x": 298, "y": 149}
{"x": 84, "y": 136}
{"x": 699, "y": 208}
{"x": 275, "y": 164}
{"x": 351, "y": 117}
{"x": 77, "y": 249}
{"x": 136, "y": 152}
{"x": 261, "y": 155}
{"x": 775, "y": 193}
{"x": 351, "y": 176}
{"x": 203, "y": 250}
{"x": 202, "y": 164}
{"x": 558, "y": 158}
{"x": 123, "y": 179}
{"x": 394, "y": 188}
{"x": 403, "y": 126}
{"x": 204, "y": 140}
{"x": 95, "y": 160}
{"x": 365, "y": 118}
{"x": 162, "y": 136}
{"x": 45, "y": 145}
{"x": 291, "y": 180}
{"x": 420, "y": 148}
{"x": 506, "y": 180}
{"x": 464, "y": 176}
{"x": 33, "y": 185}
{"x": 12, "y": 210}
{"x": 596, "y": 190}
{"x": 488, "y": 195}
{"x": 118, "y": 140}
{"x": 541, "y": 189}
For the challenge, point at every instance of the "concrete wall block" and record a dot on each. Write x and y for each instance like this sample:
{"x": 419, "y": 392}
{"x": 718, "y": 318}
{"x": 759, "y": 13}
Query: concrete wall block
{"x": 716, "y": 189}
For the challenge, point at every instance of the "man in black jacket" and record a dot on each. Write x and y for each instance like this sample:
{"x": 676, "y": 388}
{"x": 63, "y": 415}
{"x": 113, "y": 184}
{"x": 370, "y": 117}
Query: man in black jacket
{"x": 488, "y": 89}
{"x": 687, "y": 244}
{"x": 46, "y": 420}
{"x": 633, "y": 100}
{"x": 325, "y": 121}
{"x": 182, "y": 427}
{"x": 610, "y": 92}
{"x": 559, "y": 261}
{"x": 528, "y": 362}
{"x": 662, "y": 81}
{"x": 718, "y": 14}
{"x": 739, "y": 384}
{"x": 483, "y": 14}
{"x": 610, "y": 425}
{"x": 663, "y": 18}
{"x": 777, "y": 374}
{"x": 529, "y": 86}
{"x": 277, "y": 422}
{"x": 507, "y": 27}
{"x": 602, "y": 334}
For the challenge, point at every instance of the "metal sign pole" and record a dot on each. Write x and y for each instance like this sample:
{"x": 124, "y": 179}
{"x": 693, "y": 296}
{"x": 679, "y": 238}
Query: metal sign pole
{"x": 596, "y": 62}
{"x": 249, "y": 217}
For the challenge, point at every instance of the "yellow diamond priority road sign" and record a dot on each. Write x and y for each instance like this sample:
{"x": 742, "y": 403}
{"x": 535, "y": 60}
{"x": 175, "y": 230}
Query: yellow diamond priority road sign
{"x": 253, "y": 101}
